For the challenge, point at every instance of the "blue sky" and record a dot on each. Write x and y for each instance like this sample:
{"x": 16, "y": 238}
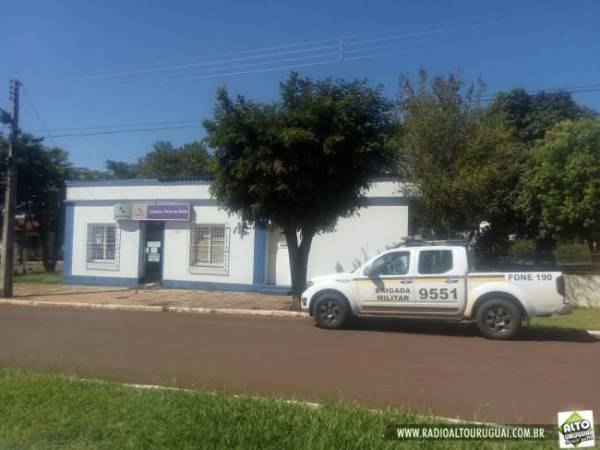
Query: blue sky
{"x": 54, "y": 45}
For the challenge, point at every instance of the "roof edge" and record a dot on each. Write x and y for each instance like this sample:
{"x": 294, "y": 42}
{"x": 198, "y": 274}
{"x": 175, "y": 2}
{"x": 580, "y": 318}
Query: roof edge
{"x": 140, "y": 182}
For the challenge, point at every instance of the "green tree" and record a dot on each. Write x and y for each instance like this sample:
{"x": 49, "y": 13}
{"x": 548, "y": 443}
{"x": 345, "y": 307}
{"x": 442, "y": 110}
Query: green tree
{"x": 120, "y": 170}
{"x": 560, "y": 190}
{"x": 166, "y": 161}
{"x": 42, "y": 173}
{"x": 85, "y": 174}
{"x": 302, "y": 162}
{"x": 458, "y": 157}
{"x": 530, "y": 116}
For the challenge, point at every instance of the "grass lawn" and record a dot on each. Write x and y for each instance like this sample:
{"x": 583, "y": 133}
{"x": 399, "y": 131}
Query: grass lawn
{"x": 582, "y": 318}
{"x": 45, "y": 411}
{"x": 40, "y": 277}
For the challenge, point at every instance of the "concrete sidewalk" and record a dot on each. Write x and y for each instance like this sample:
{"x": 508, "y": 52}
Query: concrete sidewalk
{"x": 168, "y": 299}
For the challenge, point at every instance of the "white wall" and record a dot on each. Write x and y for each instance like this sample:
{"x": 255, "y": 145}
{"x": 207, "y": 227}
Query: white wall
{"x": 176, "y": 249}
{"x": 129, "y": 240}
{"x": 364, "y": 235}
{"x": 143, "y": 192}
{"x": 369, "y": 232}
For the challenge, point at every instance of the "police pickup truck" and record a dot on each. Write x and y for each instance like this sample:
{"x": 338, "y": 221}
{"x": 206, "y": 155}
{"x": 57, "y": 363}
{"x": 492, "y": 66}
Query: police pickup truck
{"x": 433, "y": 280}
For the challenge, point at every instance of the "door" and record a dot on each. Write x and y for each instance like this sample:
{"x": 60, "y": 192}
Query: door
{"x": 387, "y": 286}
{"x": 439, "y": 282}
{"x": 153, "y": 251}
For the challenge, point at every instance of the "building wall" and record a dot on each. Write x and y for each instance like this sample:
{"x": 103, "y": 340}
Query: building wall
{"x": 177, "y": 242}
{"x": 370, "y": 231}
{"x": 256, "y": 260}
{"x": 583, "y": 290}
{"x": 127, "y": 269}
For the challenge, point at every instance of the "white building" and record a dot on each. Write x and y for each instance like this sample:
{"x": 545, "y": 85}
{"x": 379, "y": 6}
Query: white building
{"x": 128, "y": 232}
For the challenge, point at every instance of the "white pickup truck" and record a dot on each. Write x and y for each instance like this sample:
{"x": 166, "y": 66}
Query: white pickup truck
{"x": 433, "y": 280}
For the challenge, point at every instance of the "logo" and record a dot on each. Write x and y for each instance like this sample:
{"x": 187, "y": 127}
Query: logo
{"x": 576, "y": 429}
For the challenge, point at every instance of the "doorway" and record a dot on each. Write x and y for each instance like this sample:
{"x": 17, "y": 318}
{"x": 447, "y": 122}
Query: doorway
{"x": 153, "y": 251}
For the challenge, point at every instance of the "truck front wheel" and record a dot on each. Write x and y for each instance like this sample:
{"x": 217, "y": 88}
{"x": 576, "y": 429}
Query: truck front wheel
{"x": 331, "y": 311}
{"x": 499, "y": 319}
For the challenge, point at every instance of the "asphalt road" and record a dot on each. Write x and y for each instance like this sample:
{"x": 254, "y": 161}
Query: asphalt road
{"x": 444, "y": 369}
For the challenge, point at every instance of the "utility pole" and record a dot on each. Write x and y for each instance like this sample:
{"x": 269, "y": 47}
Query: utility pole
{"x": 10, "y": 196}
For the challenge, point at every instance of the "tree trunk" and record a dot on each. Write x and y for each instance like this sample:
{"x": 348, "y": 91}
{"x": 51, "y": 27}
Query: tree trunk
{"x": 298, "y": 254}
{"x": 48, "y": 239}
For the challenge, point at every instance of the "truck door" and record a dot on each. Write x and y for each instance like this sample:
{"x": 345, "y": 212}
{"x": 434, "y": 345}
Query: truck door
{"x": 440, "y": 282}
{"x": 387, "y": 286}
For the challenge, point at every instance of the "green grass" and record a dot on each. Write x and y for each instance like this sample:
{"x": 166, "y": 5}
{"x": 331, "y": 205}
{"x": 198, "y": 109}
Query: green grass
{"x": 40, "y": 277}
{"x": 582, "y": 318}
{"x": 46, "y": 411}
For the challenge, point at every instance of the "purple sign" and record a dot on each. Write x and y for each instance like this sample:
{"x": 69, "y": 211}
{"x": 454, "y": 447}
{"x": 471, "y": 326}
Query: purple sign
{"x": 168, "y": 212}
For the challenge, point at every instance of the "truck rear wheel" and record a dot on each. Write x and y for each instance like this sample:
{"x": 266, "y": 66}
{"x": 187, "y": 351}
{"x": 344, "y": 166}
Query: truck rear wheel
{"x": 331, "y": 311}
{"x": 499, "y": 319}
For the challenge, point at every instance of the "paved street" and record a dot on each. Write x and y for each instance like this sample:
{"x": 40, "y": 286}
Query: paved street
{"x": 447, "y": 370}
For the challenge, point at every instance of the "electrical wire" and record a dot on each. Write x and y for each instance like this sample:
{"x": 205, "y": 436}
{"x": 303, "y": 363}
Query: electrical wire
{"x": 349, "y": 41}
{"x": 39, "y": 116}
{"x": 138, "y": 130}
{"x": 485, "y": 98}
{"x": 143, "y": 124}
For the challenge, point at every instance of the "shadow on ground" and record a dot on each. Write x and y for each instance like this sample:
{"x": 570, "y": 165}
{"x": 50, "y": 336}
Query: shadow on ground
{"x": 464, "y": 329}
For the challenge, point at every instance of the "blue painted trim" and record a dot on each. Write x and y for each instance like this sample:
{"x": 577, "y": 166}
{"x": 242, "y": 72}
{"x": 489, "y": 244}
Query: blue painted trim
{"x": 162, "y": 254}
{"x": 238, "y": 287}
{"x": 141, "y": 255}
{"x": 193, "y": 202}
{"x": 68, "y": 240}
{"x": 368, "y": 201}
{"x": 142, "y": 182}
{"x": 101, "y": 281}
{"x": 260, "y": 255}
{"x": 386, "y": 201}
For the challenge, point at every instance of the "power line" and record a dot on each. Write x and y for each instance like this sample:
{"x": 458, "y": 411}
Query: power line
{"x": 138, "y": 130}
{"x": 186, "y": 66}
{"x": 285, "y": 60}
{"x": 142, "y": 124}
{"x": 349, "y": 41}
{"x": 39, "y": 116}
{"x": 484, "y": 98}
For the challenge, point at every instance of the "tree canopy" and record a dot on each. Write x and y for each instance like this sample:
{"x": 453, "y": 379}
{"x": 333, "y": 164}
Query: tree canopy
{"x": 42, "y": 173}
{"x": 456, "y": 154}
{"x": 560, "y": 189}
{"x": 302, "y": 162}
{"x": 163, "y": 161}
{"x": 529, "y": 116}
{"x": 167, "y": 161}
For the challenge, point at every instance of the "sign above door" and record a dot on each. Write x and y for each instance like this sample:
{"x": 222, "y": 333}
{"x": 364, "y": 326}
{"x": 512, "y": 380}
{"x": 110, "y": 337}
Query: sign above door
{"x": 142, "y": 211}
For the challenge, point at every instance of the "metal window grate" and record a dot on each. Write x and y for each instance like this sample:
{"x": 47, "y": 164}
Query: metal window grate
{"x": 102, "y": 246}
{"x": 209, "y": 249}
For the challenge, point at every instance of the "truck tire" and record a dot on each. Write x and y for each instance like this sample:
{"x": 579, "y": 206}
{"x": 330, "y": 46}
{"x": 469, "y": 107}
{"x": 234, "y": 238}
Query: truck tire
{"x": 499, "y": 319}
{"x": 331, "y": 311}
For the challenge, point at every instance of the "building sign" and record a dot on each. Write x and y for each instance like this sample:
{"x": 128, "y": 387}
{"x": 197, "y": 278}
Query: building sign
{"x": 122, "y": 212}
{"x": 142, "y": 211}
{"x": 168, "y": 212}
{"x": 139, "y": 212}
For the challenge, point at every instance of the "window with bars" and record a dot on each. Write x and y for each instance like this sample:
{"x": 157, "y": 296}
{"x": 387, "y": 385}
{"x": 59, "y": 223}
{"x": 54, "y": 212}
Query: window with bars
{"x": 102, "y": 249}
{"x": 209, "y": 249}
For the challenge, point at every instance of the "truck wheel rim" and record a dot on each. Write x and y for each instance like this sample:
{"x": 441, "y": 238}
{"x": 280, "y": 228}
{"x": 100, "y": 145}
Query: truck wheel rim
{"x": 329, "y": 310}
{"x": 498, "y": 319}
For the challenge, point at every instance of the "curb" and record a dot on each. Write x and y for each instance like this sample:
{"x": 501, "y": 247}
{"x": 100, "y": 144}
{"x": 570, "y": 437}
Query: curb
{"x": 594, "y": 333}
{"x": 176, "y": 309}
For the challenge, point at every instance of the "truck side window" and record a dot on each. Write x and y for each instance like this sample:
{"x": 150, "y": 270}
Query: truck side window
{"x": 391, "y": 264}
{"x": 435, "y": 261}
